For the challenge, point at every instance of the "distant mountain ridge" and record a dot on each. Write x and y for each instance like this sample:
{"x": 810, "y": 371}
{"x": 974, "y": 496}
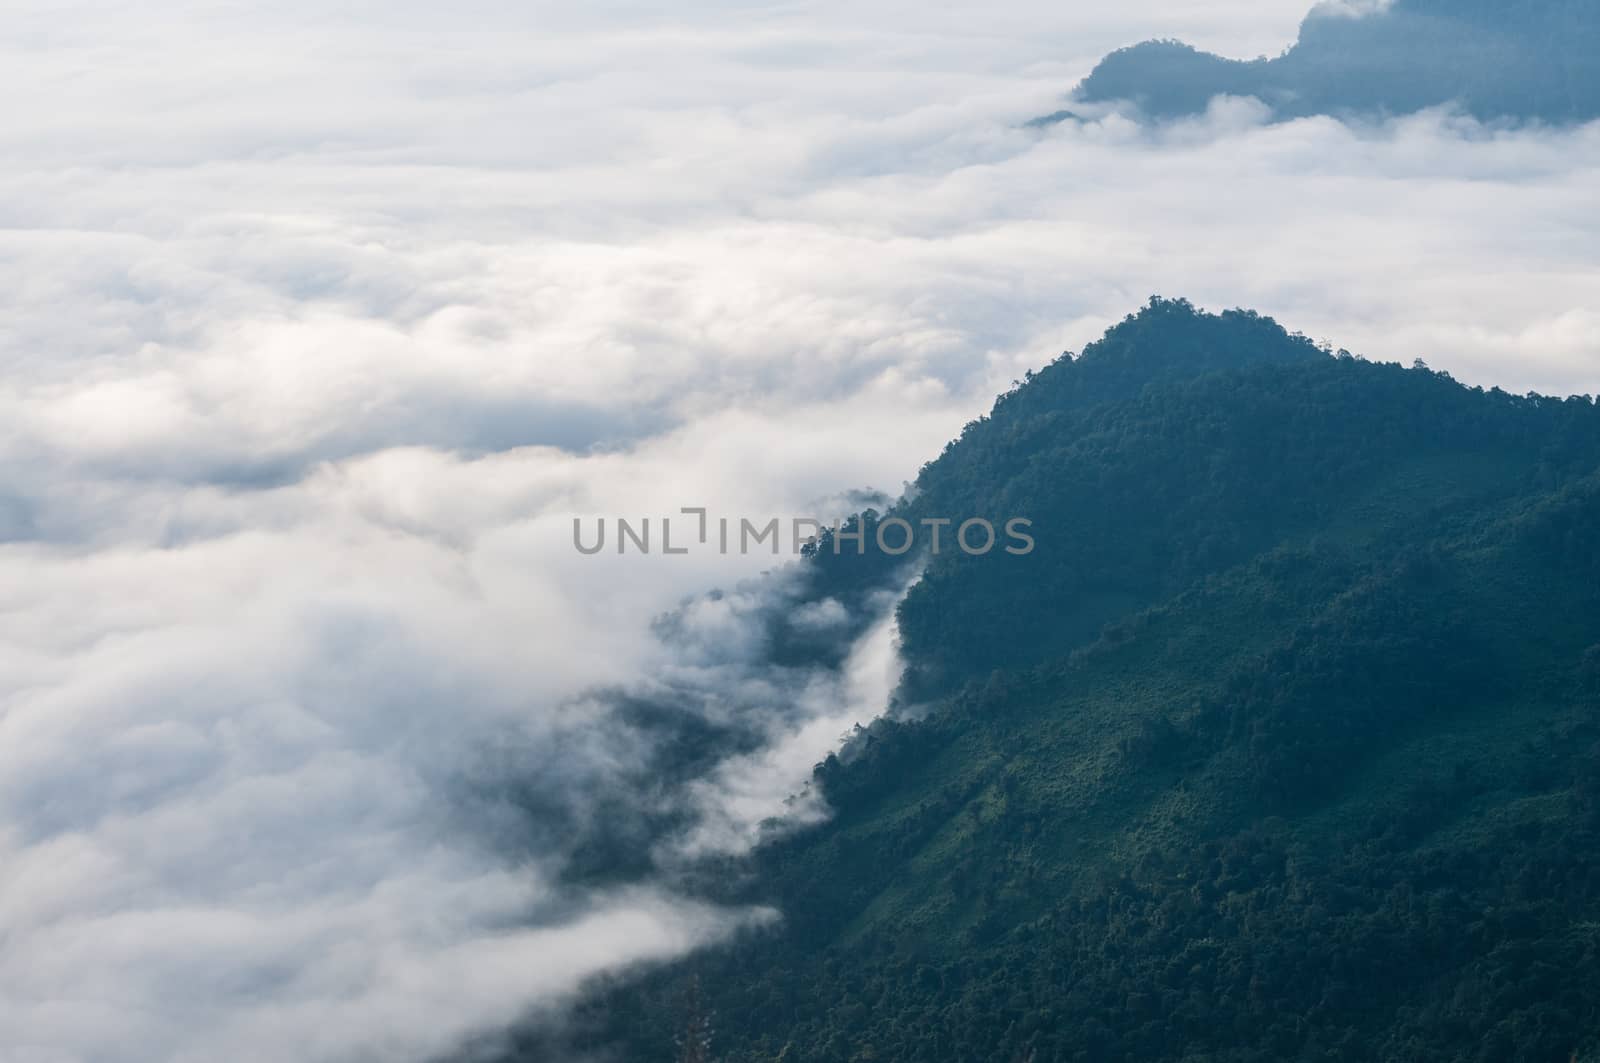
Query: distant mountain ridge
{"x": 1514, "y": 59}
{"x": 1283, "y": 744}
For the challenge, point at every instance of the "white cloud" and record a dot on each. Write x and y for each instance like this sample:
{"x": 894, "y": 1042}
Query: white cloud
{"x": 748, "y": 796}
{"x": 1351, "y": 8}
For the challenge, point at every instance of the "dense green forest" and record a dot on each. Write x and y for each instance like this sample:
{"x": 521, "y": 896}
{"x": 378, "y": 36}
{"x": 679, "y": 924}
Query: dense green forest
{"x": 1527, "y": 59}
{"x": 1283, "y": 744}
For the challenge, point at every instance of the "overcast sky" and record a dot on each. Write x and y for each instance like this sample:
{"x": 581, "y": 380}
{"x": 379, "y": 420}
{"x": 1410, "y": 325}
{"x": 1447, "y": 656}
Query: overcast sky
{"x": 321, "y": 322}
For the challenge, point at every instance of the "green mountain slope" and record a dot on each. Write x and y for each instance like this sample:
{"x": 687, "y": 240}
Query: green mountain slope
{"x": 1282, "y": 744}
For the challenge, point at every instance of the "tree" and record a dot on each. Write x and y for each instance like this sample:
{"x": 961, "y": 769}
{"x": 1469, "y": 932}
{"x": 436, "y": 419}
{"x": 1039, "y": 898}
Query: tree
{"x": 694, "y": 1030}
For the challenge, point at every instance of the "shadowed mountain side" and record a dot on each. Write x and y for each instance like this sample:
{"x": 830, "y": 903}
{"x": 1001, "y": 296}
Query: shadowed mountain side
{"x": 1527, "y": 59}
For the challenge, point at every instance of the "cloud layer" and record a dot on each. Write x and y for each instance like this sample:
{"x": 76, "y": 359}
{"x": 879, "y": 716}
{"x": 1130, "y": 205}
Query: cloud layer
{"x": 322, "y": 323}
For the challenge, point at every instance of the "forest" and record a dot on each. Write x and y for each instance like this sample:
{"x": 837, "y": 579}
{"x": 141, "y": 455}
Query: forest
{"x": 1282, "y": 745}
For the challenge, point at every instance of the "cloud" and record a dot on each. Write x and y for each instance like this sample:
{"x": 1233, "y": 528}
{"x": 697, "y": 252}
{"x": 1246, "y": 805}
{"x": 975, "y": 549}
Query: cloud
{"x": 751, "y": 797}
{"x": 323, "y": 324}
{"x": 1350, "y": 8}
{"x": 317, "y": 787}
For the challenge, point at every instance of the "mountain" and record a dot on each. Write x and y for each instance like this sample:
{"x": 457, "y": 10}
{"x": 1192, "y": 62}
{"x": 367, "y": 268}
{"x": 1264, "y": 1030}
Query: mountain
{"x": 1282, "y": 743}
{"x": 1516, "y": 59}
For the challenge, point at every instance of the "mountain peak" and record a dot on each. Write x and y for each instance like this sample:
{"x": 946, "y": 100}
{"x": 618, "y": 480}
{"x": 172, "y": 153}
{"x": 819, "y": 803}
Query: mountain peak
{"x": 1175, "y": 334}
{"x": 1166, "y": 339}
{"x": 1528, "y": 60}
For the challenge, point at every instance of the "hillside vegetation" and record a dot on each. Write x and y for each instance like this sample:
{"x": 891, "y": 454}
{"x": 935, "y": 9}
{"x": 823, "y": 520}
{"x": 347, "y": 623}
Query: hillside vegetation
{"x": 1283, "y": 743}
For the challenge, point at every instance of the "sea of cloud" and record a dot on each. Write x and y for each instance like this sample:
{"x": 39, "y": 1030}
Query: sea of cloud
{"x": 321, "y": 322}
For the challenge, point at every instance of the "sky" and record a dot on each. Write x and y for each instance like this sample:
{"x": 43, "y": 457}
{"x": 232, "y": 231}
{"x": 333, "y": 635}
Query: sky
{"x": 322, "y": 322}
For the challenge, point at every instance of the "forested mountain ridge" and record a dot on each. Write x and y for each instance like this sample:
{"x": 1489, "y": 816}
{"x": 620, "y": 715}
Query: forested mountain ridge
{"x": 1525, "y": 59}
{"x": 1283, "y": 744}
